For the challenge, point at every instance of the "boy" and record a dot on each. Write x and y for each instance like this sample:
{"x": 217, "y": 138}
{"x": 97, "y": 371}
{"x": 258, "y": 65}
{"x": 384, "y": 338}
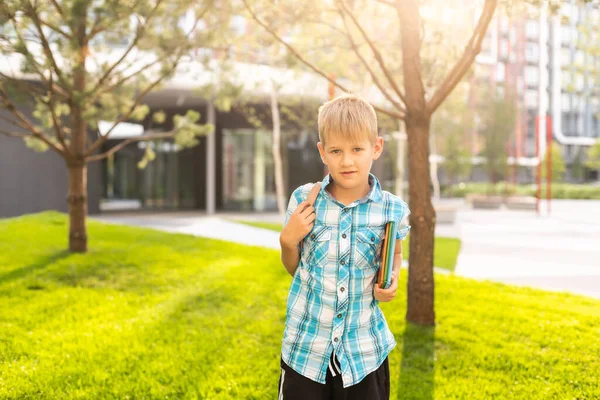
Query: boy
{"x": 336, "y": 339}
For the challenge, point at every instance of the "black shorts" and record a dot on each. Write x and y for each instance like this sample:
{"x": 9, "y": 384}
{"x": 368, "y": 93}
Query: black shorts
{"x": 293, "y": 386}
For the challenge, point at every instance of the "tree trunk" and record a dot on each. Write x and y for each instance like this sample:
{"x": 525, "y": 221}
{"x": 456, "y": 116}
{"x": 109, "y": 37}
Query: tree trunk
{"x": 77, "y": 205}
{"x": 76, "y": 164}
{"x": 420, "y": 302}
{"x": 435, "y": 180}
{"x": 278, "y": 164}
{"x": 400, "y": 157}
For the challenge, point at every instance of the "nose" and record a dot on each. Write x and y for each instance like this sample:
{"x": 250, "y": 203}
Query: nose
{"x": 347, "y": 160}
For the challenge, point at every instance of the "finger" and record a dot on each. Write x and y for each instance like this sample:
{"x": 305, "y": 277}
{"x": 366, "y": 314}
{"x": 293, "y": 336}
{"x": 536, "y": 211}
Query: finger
{"x": 311, "y": 217}
{"x": 314, "y": 192}
{"x": 307, "y": 211}
{"x": 301, "y": 207}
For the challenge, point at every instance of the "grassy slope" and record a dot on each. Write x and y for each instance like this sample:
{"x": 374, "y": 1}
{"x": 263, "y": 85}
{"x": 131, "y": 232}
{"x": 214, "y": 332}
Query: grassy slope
{"x": 148, "y": 315}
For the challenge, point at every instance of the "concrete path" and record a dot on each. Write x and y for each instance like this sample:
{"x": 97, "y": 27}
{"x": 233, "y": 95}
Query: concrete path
{"x": 221, "y": 226}
{"x": 556, "y": 252}
{"x": 560, "y": 251}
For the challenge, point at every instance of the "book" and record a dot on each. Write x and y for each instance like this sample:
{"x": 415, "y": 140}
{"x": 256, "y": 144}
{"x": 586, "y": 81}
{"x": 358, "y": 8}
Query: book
{"x": 386, "y": 261}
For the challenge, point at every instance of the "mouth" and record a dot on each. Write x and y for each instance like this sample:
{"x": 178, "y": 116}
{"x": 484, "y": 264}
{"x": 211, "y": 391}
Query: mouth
{"x": 349, "y": 173}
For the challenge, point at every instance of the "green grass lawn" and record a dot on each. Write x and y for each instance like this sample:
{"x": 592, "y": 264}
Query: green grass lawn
{"x": 445, "y": 255}
{"x": 151, "y": 315}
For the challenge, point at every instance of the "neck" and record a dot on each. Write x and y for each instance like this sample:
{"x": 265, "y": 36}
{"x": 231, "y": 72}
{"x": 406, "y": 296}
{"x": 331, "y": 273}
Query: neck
{"x": 347, "y": 196}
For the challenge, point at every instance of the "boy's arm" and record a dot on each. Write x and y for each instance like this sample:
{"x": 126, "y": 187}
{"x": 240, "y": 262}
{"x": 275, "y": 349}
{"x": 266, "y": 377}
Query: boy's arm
{"x": 298, "y": 226}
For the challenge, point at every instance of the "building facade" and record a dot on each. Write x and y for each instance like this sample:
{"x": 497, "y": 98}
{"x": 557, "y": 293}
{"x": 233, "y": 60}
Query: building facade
{"x": 549, "y": 64}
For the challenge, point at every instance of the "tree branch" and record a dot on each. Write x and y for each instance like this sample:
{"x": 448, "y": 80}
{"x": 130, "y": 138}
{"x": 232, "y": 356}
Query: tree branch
{"x": 309, "y": 64}
{"x": 14, "y": 134}
{"x": 58, "y": 8}
{"x": 368, "y": 67}
{"x": 138, "y": 34}
{"x": 144, "y": 138}
{"x": 25, "y": 124}
{"x": 56, "y": 29}
{"x": 46, "y": 46}
{"x": 12, "y": 122}
{"x": 125, "y": 79}
{"x": 461, "y": 67}
{"x": 388, "y": 3}
{"x": 58, "y": 128}
{"x": 376, "y": 52}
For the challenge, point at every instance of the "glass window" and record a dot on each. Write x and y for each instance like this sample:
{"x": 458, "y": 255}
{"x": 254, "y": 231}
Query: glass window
{"x": 532, "y": 52}
{"x": 500, "y": 72}
{"x": 531, "y": 29}
{"x": 248, "y": 170}
{"x": 531, "y": 76}
{"x": 531, "y": 99}
{"x": 503, "y": 49}
{"x": 565, "y": 34}
{"x": 565, "y": 56}
{"x": 565, "y": 102}
{"x": 503, "y": 24}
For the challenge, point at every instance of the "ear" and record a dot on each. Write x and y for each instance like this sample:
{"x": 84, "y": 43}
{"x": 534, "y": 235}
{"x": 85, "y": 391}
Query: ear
{"x": 377, "y": 148}
{"x": 321, "y": 152}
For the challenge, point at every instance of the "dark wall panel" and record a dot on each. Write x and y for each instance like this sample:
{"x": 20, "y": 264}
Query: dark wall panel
{"x": 31, "y": 182}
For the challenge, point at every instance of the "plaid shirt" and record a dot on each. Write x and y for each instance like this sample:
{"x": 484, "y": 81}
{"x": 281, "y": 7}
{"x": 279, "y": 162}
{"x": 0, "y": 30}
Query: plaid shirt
{"x": 331, "y": 307}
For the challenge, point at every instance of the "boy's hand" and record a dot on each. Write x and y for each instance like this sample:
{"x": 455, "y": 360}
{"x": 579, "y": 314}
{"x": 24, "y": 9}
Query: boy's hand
{"x": 301, "y": 221}
{"x": 388, "y": 294}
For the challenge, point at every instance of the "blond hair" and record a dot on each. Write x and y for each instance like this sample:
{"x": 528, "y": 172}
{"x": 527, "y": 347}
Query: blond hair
{"x": 348, "y": 116}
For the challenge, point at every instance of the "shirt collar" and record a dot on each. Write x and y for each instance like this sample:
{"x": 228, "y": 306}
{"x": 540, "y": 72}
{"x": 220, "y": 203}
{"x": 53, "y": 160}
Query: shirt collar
{"x": 374, "y": 193}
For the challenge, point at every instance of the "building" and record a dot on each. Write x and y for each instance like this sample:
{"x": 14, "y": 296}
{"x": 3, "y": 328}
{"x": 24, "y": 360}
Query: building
{"x": 539, "y": 60}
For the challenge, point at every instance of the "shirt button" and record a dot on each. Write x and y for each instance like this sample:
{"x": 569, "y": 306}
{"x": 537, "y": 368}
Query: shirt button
{"x": 312, "y": 236}
{"x": 343, "y": 262}
{"x": 372, "y": 238}
{"x": 342, "y": 289}
{"x": 339, "y": 315}
{"x": 344, "y": 236}
{"x": 335, "y": 339}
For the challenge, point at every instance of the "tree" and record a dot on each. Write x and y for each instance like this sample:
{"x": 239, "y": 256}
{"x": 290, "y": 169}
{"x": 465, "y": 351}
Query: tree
{"x": 82, "y": 61}
{"x": 390, "y": 71}
{"x": 558, "y": 163}
{"x": 577, "y": 167}
{"x": 498, "y": 118}
{"x": 449, "y": 125}
{"x": 593, "y": 156}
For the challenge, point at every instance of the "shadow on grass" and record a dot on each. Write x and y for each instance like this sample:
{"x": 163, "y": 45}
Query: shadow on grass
{"x": 417, "y": 369}
{"x": 37, "y": 266}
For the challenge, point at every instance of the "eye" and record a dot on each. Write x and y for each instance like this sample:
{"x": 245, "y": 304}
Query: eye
{"x": 335, "y": 151}
{"x": 357, "y": 149}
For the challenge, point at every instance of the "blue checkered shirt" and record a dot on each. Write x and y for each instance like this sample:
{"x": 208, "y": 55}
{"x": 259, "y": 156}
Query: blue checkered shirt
{"x": 331, "y": 308}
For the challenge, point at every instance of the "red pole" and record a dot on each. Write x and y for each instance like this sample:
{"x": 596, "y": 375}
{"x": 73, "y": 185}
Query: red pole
{"x": 549, "y": 160}
{"x": 538, "y": 168}
{"x": 517, "y": 147}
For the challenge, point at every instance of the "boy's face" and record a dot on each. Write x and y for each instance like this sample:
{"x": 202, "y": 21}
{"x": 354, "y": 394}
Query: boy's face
{"x": 350, "y": 163}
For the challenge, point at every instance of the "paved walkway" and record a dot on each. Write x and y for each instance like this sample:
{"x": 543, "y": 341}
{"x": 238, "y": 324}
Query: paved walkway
{"x": 560, "y": 251}
{"x": 221, "y": 226}
{"x": 556, "y": 252}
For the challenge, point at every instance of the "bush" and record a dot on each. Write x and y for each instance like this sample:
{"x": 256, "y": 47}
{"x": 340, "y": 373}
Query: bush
{"x": 559, "y": 190}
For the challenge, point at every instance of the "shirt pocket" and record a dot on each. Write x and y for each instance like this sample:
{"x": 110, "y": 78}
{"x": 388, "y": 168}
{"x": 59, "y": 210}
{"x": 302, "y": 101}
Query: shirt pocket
{"x": 368, "y": 247}
{"x": 316, "y": 247}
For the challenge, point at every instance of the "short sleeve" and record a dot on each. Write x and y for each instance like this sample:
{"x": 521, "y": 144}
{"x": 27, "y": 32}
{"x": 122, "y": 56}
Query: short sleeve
{"x": 292, "y": 205}
{"x": 402, "y": 221}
